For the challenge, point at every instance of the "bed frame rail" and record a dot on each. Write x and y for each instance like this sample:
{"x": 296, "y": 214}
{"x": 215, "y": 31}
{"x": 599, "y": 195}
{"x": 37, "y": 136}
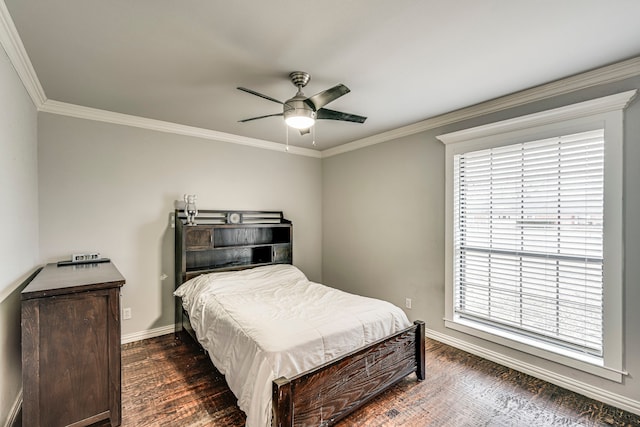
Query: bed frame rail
{"x": 328, "y": 393}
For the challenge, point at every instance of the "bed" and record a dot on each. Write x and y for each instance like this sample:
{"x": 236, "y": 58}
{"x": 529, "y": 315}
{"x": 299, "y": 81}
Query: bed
{"x": 290, "y": 360}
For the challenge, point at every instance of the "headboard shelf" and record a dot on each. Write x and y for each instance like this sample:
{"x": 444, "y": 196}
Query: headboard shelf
{"x": 229, "y": 240}
{"x": 246, "y": 255}
{"x": 251, "y": 235}
{"x": 224, "y": 240}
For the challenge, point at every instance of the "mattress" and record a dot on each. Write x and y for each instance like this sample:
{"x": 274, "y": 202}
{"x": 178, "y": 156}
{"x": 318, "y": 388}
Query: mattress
{"x": 267, "y": 322}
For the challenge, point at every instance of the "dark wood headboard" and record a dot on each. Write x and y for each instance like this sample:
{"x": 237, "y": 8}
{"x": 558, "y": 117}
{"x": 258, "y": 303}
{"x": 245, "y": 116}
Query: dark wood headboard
{"x": 223, "y": 240}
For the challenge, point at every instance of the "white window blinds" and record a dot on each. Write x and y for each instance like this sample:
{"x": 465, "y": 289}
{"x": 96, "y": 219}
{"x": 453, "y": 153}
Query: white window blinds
{"x": 528, "y": 239}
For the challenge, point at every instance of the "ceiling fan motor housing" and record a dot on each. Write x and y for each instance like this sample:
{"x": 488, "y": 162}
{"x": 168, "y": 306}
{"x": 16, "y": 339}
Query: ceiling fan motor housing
{"x": 297, "y": 113}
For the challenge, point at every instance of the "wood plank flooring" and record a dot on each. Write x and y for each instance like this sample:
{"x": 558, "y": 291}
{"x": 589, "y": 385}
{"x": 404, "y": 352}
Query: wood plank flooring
{"x": 166, "y": 384}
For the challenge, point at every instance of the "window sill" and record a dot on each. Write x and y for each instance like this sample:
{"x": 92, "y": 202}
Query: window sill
{"x": 585, "y": 363}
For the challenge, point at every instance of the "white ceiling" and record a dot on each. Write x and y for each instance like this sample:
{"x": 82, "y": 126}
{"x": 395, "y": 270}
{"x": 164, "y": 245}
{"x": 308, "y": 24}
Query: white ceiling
{"x": 404, "y": 60}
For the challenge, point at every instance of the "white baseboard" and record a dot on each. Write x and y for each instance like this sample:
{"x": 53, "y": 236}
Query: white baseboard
{"x": 580, "y": 387}
{"x": 149, "y": 333}
{"x": 15, "y": 410}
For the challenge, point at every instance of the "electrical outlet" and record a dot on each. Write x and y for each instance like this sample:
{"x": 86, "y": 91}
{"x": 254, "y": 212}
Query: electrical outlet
{"x": 407, "y": 303}
{"x": 126, "y": 313}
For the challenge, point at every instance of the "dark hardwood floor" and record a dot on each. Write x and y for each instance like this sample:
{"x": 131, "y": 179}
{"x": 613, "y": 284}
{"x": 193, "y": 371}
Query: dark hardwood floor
{"x": 165, "y": 384}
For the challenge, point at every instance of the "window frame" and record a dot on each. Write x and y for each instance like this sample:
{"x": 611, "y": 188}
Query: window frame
{"x": 607, "y": 113}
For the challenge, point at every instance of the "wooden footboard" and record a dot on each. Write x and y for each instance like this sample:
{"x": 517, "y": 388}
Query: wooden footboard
{"x": 324, "y": 395}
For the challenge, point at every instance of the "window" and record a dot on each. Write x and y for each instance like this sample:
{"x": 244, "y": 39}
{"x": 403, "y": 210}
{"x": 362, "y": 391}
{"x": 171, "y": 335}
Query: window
{"x": 534, "y": 234}
{"x": 528, "y": 238}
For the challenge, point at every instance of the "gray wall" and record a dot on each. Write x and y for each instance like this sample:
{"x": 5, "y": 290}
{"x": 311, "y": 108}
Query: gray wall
{"x": 383, "y": 230}
{"x": 110, "y": 188}
{"x": 19, "y": 219}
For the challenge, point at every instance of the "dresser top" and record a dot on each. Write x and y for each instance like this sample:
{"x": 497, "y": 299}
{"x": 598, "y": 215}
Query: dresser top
{"x": 53, "y": 280}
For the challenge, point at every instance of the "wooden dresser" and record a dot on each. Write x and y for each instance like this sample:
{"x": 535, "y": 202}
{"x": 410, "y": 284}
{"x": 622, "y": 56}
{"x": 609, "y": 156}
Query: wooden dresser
{"x": 71, "y": 346}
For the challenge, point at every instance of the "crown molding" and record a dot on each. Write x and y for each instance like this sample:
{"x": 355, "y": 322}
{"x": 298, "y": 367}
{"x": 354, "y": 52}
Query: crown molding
{"x": 12, "y": 44}
{"x": 601, "y": 105}
{"x": 88, "y": 113}
{"x": 377, "y": 139}
{"x": 599, "y": 76}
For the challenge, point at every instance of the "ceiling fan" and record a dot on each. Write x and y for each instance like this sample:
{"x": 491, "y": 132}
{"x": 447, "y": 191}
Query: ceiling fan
{"x": 301, "y": 112}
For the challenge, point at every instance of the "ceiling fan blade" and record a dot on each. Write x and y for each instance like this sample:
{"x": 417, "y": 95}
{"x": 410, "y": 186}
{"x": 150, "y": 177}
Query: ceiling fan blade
{"x": 253, "y": 92}
{"x": 325, "y": 113}
{"x": 321, "y": 99}
{"x": 260, "y": 117}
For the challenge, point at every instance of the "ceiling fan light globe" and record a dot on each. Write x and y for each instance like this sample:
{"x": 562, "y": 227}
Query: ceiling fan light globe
{"x": 300, "y": 122}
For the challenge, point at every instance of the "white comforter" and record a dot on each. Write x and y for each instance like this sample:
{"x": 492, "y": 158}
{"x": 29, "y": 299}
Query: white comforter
{"x": 268, "y": 322}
